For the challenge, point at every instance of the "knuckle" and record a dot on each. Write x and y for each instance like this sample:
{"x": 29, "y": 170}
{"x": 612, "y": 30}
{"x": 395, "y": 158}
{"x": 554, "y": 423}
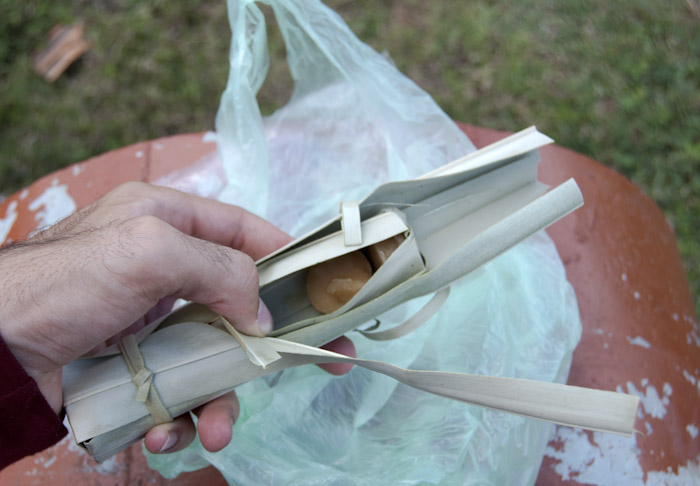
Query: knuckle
{"x": 138, "y": 254}
{"x": 130, "y": 190}
{"x": 138, "y": 197}
{"x": 239, "y": 269}
{"x": 149, "y": 226}
{"x": 246, "y": 269}
{"x": 145, "y": 238}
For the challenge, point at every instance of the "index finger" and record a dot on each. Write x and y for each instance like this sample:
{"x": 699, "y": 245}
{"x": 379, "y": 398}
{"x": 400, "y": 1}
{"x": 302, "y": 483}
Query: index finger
{"x": 202, "y": 218}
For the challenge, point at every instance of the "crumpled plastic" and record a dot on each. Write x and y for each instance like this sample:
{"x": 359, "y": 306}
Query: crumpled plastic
{"x": 352, "y": 123}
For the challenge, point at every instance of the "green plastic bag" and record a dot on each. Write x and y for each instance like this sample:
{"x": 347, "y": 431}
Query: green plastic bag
{"x": 354, "y": 122}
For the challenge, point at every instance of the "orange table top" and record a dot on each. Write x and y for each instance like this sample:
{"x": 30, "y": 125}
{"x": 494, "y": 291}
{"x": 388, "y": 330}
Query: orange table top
{"x": 640, "y": 334}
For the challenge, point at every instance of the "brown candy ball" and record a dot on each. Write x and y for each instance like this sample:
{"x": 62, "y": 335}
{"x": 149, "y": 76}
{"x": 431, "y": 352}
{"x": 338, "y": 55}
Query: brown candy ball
{"x": 380, "y": 252}
{"x": 331, "y": 284}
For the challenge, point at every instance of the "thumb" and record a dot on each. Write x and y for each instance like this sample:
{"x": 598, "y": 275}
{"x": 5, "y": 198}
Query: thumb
{"x": 223, "y": 279}
{"x": 226, "y": 281}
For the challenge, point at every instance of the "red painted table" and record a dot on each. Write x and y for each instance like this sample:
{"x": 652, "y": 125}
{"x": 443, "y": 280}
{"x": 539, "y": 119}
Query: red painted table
{"x": 640, "y": 334}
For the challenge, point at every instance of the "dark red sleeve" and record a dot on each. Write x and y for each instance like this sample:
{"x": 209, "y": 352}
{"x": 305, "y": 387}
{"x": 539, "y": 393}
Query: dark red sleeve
{"x": 28, "y": 424}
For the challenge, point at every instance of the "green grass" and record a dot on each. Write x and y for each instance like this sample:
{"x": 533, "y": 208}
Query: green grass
{"x": 619, "y": 81}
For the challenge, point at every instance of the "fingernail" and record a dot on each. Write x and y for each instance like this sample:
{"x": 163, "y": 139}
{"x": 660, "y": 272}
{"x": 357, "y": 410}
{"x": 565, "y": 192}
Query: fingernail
{"x": 169, "y": 442}
{"x": 264, "y": 318}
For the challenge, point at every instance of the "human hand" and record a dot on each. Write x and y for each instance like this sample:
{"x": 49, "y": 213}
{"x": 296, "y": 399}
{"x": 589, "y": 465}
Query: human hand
{"x": 117, "y": 264}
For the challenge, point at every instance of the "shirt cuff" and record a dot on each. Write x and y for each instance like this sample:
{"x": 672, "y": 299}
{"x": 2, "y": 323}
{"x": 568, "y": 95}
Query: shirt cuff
{"x": 28, "y": 424}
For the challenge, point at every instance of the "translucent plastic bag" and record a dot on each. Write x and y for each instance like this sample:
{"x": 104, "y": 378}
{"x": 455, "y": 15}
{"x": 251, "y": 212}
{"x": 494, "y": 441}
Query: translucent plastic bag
{"x": 354, "y": 122}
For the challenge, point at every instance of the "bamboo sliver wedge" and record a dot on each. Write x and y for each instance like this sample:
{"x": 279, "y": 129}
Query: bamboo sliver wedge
{"x": 454, "y": 219}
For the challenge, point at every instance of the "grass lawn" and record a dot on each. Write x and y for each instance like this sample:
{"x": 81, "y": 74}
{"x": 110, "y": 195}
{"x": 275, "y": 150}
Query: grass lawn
{"x": 619, "y": 81}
